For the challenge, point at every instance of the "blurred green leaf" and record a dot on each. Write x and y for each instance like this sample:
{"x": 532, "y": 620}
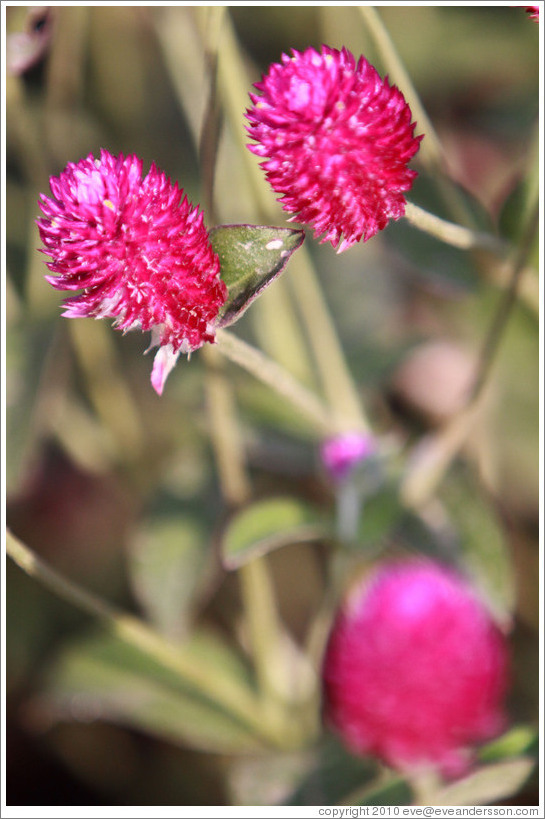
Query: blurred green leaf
{"x": 251, "y": 257}
{"x": 393, "y": 791}
{"x": 166, "y": 564}
{"x": 448, "y": 269}
{"x": 267, "y": 780}
{"x": 482, "y": 540}
{"x": 489, "y": 784}
{"x": 381, "y": 514}
{"x": 267, "y": 525}
{"x": 335, "y": 774}
{"x": 522, "y": 739}
{"x": 104, "y": 678}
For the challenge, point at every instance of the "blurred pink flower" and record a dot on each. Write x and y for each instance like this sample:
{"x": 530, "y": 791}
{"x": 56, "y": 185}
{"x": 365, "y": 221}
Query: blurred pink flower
{"x": 27, "y": 48}
{"x": 415, "y": 671}
{"x": 137, "y": 249}
{"x": 342, "y": 453}
{"x": 533, "y": 11}
{"x": 336, "y": 140}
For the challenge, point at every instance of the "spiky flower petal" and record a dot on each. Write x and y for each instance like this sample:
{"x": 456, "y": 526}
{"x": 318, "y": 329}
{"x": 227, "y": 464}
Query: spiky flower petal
{"x": 335, "y": 139}
{"x": 138, "y": 251}
{"x": 415, "y": 671}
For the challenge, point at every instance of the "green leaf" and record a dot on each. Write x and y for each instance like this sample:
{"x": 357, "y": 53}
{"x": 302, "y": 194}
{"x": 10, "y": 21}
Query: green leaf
{"x": 483, "y": 543}
{"x": 104, "y": 678}
{"x": 395, "y": 791}
{"x": 251, "y": 257}
{"x": 489, "y": 784}
{"x": 267, "y": 525}
{"x": 381, "y": 514}
{"x": 522, "y": 739}
{"x": 333, "y": 775}
{"x": 166, "y": 564}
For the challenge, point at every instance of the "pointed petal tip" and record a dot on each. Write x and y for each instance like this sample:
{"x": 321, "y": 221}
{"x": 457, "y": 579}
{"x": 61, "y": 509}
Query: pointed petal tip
{"x": 164, "y": 361}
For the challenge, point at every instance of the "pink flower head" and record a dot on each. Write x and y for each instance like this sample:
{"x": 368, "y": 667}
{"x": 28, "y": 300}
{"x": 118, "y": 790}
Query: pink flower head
{"x": 415, "y": 671}
{"x": 138, "y": 251}
{"x": 342, "y": 453}
{"x": 336, "y": 140}
{"x": 533, "y": 11}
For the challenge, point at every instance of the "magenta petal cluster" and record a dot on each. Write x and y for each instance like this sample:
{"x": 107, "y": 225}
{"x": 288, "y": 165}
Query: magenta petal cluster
{"x": 533, "y": 12}
{"x": 335, "y": 140}
{"x": 415, "y": 671}
{"x": 137, "y": 250}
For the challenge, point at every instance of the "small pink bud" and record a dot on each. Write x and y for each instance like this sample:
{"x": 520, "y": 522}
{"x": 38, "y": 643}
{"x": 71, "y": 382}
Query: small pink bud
{"x": 342, "y": 453}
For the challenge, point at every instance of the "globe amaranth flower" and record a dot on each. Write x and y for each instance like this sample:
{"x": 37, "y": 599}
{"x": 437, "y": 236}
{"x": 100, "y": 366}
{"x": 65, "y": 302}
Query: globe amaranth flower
{"x": 335, "y": 139}
{"x": 415, "y": 670}
{"x": 138, "y": 251}
{"x": 341, "y": 453}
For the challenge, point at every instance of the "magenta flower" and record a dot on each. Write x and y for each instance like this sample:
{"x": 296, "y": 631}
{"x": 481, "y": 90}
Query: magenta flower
{"x": 336, "y": 140}
{"x": 342, "y": 453}
{"x": 533, "y": 12}
{"x": 138, "y": 251}
{"x": 415, "y": 671}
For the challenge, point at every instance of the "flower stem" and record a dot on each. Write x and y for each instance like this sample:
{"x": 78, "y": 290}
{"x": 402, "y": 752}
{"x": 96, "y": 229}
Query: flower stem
{"x": 329, "y": 359}
{"x": 433, "y": 157}
{"x": 453, "y": 234}
{"x": 431, "y": 149}
{"x": 273, "y": 375}
{"x": 425, "y": 787}
{"x": 507, "y": 301}
{"x": 439, "y": 450}
{"x": 431, "y": 152}
{"x": 108, "y": 391}
{"x": 210, "y": 130}
{"x": 255, "y": 582}
{"x": 200, "y": 676}
{"x": 225, "y": 432}
{"x": 337, "y": 382}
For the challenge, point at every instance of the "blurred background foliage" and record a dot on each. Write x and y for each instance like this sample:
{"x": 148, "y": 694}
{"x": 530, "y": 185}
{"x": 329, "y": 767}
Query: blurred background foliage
{"x": 118, "y": 488}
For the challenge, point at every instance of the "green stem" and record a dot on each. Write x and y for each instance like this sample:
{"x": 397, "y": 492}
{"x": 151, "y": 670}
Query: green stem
{"x": 440, "y": 449}
{"x": 225, "y": 432}
{"x": 431, "y": 151}
{"x": 436, "y": 452}
{"x": 211, "y": 126}
{"x": 505, "y": 307}
{"x": 337, "y": 381}
{"x": 199, "y": 676}
{"x": 453, "y": 234}
{"x": 425, "y": 787}
{"x": 108, "y": 391}
{"x": 255, "y": 583}
{"x": 264, "y": 630}
{"x": 472, "y": 240}
{"x": 273, "y": 375}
